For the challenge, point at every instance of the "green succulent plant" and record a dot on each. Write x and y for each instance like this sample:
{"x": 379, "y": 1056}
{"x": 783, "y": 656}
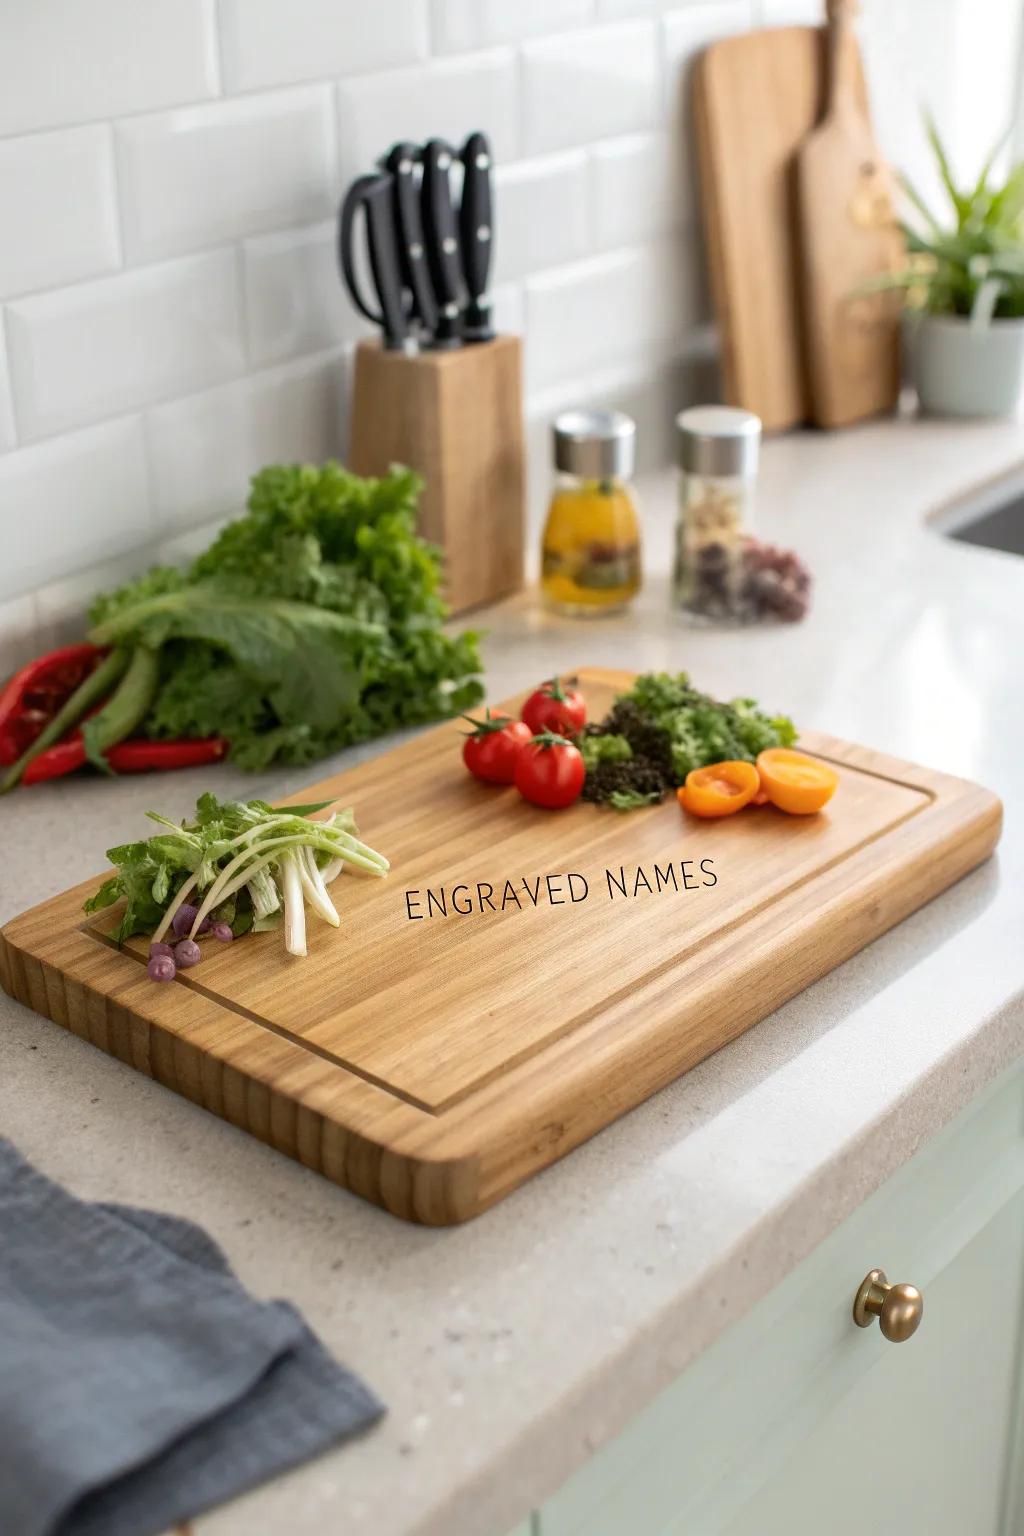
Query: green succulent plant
{"x": 975, "y": 264}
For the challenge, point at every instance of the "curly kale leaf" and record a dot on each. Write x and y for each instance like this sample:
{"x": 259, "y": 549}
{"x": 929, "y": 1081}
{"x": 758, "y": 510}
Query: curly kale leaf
{"x": 699, "y": 729}
{"x": 669, "y": 728}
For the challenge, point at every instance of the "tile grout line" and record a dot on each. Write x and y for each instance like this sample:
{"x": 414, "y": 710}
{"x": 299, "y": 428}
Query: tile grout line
{"x": 122, "y": 244}
{"x": 5, "y": 356}
{"x": 213, "y": 11}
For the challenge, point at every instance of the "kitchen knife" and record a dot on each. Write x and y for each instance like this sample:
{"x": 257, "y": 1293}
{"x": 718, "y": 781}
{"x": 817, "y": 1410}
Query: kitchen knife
{"x": 401, "y": 160}
{"x": 374, "y": 194}
{"x": 441, "y": 238}
{"x": 476, "y": 236}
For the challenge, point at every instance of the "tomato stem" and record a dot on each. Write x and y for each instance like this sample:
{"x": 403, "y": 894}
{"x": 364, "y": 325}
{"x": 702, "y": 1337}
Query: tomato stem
{"x": 487, "y": 725}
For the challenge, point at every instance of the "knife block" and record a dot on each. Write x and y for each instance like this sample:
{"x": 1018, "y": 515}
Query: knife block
{"x": 457, "y": 419}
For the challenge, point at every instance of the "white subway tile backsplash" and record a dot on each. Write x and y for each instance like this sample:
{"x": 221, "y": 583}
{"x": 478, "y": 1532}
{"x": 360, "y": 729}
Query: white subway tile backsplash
{"x": 185, "y": 547}
{"x": 18, "y": 639}
{"x": 616, "y": 10}
{"x": 627, "y": 305}
{"x": 204, "y": 450}
{"x": 443, "y": 100}
{"x": 67, "y": 61}
{"x": 6, "y": 410}
{"x": 84, "y": 353}
{"x": 66, "y": 504}
{"x": 792, "y": 13}
{"x": 541, "y": 213}
{"x": 274, "y": 42}
{"x": 687, "y": 33}
{"x": 638, "y": 189}
{"x": 62, "y": 607}
{"x": 464, "y": 24}
{"x": 169, "y": 182}
{"x": 589, "y": 85}
{"x": 59, "y": 205}
{"x": 509, "y": 309}
{"x": 294, "y": 299}
{"x": 200, "y": 175}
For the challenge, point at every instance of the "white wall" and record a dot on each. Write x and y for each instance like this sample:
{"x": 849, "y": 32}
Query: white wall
{"x": 169, "y": 173}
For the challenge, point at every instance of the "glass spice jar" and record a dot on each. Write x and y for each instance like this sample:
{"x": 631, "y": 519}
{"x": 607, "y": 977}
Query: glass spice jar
{"x": 718, "y": 448}
{"x": 590, "y": 555}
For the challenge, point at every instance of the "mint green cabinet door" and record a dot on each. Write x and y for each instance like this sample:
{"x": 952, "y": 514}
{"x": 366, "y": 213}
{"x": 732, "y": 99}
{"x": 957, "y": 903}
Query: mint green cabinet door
{"x": 922, "y": 1443}
{"x": 798, "y": 1423}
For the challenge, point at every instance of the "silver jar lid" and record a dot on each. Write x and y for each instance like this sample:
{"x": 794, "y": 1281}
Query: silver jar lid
{"x": 718, "y": 440}
{"x": 595, "y": 444}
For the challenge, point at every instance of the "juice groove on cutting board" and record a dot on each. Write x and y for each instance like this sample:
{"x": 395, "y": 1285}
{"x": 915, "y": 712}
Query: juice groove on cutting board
{"x": 432, "y": 1063}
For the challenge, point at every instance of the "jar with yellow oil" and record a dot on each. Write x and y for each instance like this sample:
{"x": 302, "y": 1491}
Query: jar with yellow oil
{"x": 590, "y": 557}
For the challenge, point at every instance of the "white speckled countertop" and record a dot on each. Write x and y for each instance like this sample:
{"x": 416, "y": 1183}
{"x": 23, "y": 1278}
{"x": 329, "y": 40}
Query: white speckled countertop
{"x": 509, "y": 1349}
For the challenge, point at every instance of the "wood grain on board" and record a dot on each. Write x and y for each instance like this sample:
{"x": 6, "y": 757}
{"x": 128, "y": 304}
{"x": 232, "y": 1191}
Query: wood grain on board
{"x": 449, "y": 1039}
{"x": 756, "y": 99}
{"x": 848, "y": 237}
{"x": 456, "y": 418}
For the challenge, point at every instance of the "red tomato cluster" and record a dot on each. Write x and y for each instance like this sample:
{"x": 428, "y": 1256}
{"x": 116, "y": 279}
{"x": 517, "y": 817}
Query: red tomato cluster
{"x": 534, "y": 753}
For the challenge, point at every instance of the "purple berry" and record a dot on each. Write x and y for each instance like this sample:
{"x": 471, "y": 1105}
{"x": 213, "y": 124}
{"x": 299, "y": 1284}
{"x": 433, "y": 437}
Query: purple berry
{"x": 161, "y": 968}
{"x": 223, "y": 932}
{"x": 183, "y": 919}
{"x": 159, "y": 948}
{"x": 187, "y": 953}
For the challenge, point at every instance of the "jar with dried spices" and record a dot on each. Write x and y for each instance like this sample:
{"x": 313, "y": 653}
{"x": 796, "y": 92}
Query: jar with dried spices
{"x": 723, "y": 574}
{"x": 718, "y": 452}
{"x": 590, "y": 557}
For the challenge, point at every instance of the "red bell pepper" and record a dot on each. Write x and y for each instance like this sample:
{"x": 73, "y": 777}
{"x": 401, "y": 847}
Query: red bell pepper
{"x": 33, "y": 696}
{"x": 137, "y": 755}
{"x": 35, "y": 693}
{"x": 134, "y": 756}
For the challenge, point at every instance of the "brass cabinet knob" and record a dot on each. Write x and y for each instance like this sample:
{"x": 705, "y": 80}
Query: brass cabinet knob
{"x": 899, "y": 1308}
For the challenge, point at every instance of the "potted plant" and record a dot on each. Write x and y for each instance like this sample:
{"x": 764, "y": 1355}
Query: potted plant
{"x": 965, "y": 294}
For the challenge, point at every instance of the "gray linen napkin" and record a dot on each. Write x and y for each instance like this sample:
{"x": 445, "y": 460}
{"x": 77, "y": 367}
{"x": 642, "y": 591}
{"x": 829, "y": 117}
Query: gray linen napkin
{"x": 140, "y": 1384}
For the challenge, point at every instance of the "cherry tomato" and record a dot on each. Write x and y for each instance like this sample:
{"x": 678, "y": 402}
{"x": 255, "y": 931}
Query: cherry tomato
{"x": 490, "y": 750}
{"x": 720, "y": 789}
{"x": 554, "y": 708}
{"x": 550, "y": 772}
{"x": 795, "y": 782}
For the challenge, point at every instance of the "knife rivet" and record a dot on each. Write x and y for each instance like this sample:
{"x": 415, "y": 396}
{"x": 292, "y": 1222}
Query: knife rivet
{"x": 448, "y": 245}
{"x": 443, "y": 161}
{"x": 405, "y": 167}
{"x": 484, "y": 232}
{"x": 451, "y": 310}
{"x": 415, "y": 251}
{"x": 483, "y": 162}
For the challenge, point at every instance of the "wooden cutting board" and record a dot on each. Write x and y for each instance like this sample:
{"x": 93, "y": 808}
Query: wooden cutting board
{"x": 848, "y": 236}
{"x": 756, "y": 98}
{"x": 520, "y": 979}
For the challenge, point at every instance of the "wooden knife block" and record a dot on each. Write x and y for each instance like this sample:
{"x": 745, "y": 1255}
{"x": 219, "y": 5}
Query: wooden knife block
{"x": 456, "y": 418}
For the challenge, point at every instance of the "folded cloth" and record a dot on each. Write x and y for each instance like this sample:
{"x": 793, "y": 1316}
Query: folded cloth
{"x": 140, "y": 1384}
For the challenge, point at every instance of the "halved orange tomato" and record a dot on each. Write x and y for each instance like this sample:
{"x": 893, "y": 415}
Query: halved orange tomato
{"x": 795, "y": 782}
{"x": 720, "y": 789}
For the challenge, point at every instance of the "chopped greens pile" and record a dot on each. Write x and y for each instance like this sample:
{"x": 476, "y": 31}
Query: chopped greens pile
{"x": 238, "y": 865}
{"x": 312, "y": 622}
{"x": 654, "y": 735}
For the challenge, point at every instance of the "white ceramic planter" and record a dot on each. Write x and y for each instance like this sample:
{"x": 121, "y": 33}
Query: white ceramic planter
{"x": 963, "y": 371}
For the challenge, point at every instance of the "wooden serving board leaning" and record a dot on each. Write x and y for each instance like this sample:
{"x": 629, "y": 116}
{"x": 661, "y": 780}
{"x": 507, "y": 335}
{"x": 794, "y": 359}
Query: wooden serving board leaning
{"x": 521, "y": 979}
{"x": 757, "y": 98}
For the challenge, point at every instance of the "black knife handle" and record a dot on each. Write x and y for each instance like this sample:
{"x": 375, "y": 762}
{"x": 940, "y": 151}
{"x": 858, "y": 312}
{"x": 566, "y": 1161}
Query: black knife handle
{"x": 373, "y": 194}
{"x": 441, "y": 237}
{"x": 476, "y": 234}
{"x": 401, "y": 161}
